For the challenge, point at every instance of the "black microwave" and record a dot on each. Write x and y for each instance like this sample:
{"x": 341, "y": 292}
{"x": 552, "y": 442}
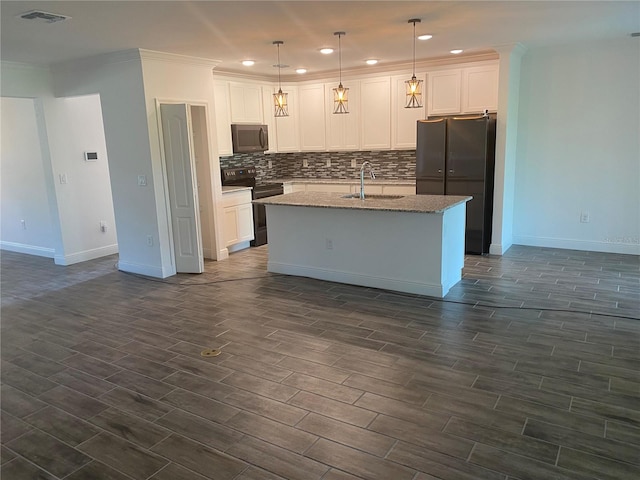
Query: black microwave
{"x": 249, "y": 138}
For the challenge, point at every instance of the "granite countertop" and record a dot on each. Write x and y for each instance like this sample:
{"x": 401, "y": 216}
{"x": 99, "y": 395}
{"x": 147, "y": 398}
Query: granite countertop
{"x": 234, "y": 188}
{"x": 347, "y": 181}
{"x": 408, "y": 203}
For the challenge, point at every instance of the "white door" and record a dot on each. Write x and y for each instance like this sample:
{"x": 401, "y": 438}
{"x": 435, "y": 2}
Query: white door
{"x": 183, "y": 196}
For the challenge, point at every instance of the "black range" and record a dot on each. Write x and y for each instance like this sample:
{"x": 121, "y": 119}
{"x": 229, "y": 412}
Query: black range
{"x": 246, "y": 177}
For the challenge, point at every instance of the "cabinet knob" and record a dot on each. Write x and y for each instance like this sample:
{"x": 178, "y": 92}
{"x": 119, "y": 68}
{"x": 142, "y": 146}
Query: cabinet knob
{"x": 439, "y": 170}
{"x": 450, "y": 171}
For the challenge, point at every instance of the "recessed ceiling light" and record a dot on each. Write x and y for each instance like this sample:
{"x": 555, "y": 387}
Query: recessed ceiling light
{"x": 456, "y": 51}
{"x": 371, "y": 61}
{"x": 301, "y": 70}
{"x": 326, "y": 51}
{"x": 248, "y": 63}
{"x": 425, "y": 37}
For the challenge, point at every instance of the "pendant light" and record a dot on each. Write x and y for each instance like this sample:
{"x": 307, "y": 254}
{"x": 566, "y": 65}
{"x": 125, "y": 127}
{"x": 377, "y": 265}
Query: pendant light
{"x": 340, "y": 94}
{"x": 281, "y": 107}
{"x": 413, "y": 86}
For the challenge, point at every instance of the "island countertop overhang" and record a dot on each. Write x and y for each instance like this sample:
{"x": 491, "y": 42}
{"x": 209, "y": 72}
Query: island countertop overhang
{"x": 408, "y": 203}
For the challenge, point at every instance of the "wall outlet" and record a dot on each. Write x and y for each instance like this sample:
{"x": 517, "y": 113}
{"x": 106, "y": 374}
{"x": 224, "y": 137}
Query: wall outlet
{"x": 142, "y": 180}
{"x": 63, "y": 178}
{"x": 353, "y": 163}
{"x": 150, "y": 240}
{"x": 328, "y": 162}
{"x": 329, "y": 243}
{"x": 24, "y": 224}
{"x": 585, "y": 217}
{"x": 270, "y": 163}
{"x": 103, "y": 226}
{"x": 305, "y": 163}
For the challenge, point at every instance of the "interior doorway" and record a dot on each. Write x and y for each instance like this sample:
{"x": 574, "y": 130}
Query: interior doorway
{"x": 187, "y": 164}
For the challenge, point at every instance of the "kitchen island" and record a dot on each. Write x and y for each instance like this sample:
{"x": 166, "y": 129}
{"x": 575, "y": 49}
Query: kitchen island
{"x": 412, "y": 243}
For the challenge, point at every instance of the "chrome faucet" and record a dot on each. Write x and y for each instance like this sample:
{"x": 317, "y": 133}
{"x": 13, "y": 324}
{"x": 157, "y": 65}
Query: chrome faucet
{"x": 373, "y": 176}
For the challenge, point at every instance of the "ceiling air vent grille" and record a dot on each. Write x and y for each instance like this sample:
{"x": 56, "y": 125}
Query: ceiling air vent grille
{"x": 43, "y": 16}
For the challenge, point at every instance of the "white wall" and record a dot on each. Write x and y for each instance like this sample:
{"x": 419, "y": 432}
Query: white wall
{"x": 118, "y": 79}
{"x": 85, "y": 200}
{"x": 177, "y": 79}
{"x": 63, "y": 127}
{"x": 24, "y": 184}
{"x": 129, "y": 82}
{"x": 579, "y": 147}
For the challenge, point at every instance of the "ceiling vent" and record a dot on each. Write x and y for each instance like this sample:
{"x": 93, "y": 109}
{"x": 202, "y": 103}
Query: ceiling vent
{"x": 45, "y": 17}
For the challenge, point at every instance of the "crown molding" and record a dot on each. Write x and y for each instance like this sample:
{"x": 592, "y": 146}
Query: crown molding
{"x": 25, "y": 66}
{"x": 176, "y": 58}
{"x": 387, "y": 68}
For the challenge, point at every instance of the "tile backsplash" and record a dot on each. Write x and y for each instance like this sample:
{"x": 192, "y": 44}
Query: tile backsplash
{"x": 387, "y": 164}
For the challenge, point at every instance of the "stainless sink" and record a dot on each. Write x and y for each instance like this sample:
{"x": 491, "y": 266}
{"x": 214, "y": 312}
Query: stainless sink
{"x": 373, "y": 196}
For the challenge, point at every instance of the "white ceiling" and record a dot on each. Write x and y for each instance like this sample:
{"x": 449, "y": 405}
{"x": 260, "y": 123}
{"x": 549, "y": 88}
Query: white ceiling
{"x": 230, "y": 31}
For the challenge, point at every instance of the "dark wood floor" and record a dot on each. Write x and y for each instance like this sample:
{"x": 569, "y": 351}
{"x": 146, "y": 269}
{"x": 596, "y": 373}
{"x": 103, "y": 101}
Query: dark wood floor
{"x": 103, "y": 378}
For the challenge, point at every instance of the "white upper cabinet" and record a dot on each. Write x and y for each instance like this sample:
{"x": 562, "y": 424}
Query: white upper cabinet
{"x": 375, "y": 113}
{"x": 480, "y": 89}
{"x": 404, "y": 120}
{"x": 343, "y": 130}
{"x": 377, "y": 118}
{"x": 443, "y": 92}
{"x": 312, "y": 117}
{"x": 223, "y": 118}
{"x": 246, "y": 102}
{"x": 287, "y": 127}
{"x": 269, "y": 119}
{"x": 463, "y": 90}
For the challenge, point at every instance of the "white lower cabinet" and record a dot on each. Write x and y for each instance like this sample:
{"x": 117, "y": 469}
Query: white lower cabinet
{"x": 368, "y": 189}
{"x": 238, "y": 217}
{"x": 328, "y": 187}
{"x": 399, "y": 189}
{"x": 350, "y": 187}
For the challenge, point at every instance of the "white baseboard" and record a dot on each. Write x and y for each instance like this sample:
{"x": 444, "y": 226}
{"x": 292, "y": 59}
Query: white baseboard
{"x": 238, "y": 246}
{"x": 359, "y": 279}
{"x": 223, "y": 254}
{"x": 27, "y": 249}
{"x": 86, "y": 255}
{"x": 572, "y": 244}
{"x": 148, "y": 270}
{"x": 498, "y": 248}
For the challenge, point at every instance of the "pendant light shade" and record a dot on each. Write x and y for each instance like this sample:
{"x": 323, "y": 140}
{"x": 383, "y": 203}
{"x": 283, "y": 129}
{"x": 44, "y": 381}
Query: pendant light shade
{"x": 414, "y": 86}
{"x": 340, "y": 94}
{"x": 280, "y": 99}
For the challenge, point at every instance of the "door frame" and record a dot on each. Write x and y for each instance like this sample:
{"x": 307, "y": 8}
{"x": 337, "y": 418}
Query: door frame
{"x": 163, "y": 158}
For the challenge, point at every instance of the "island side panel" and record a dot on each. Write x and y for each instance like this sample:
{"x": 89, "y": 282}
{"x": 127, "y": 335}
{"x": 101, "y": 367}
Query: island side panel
{"x": 453, "y": 245}
{"x": 401, "y": 251}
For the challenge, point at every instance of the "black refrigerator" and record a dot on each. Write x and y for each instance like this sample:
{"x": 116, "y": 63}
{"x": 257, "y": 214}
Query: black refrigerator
{"x": 456, "y": 156}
